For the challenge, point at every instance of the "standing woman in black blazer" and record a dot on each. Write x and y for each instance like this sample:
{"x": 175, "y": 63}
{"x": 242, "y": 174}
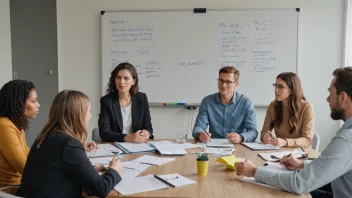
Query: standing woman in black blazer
{"x": 124, "y": 112}
{"x": 57, "y": 164}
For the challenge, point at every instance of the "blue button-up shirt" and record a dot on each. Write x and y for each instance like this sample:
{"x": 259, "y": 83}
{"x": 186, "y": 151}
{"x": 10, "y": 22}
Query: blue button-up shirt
{"x": 238, "y": 116}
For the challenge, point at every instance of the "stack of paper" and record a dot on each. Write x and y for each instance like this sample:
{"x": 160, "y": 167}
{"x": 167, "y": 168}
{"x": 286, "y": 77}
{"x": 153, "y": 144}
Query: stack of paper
{"x": 259, "y": 146}
{"x": 99, "y": 152}
{"x": 219, "y": 151}
{"x": 276, "y": 156}
{"x": 222, "y": 143}
{"x": 168, "y": 148}
{"x": 152, "y": 160}
{"x": 129, "y": 147}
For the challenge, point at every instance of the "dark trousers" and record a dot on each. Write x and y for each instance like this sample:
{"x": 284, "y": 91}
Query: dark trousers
{"x": 323, "y": 192}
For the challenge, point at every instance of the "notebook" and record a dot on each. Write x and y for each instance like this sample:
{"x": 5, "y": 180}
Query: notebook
{"x": 99, "y": 152}
{"x": 128, "y": 147}
{"x": 276, "y": 156}
{"x": 168, "y": 148}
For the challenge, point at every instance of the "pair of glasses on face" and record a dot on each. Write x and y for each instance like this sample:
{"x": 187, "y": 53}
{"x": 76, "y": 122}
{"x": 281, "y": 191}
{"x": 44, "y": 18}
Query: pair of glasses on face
{"x": 227, "y": 82}
{"x": 279, "y": 86}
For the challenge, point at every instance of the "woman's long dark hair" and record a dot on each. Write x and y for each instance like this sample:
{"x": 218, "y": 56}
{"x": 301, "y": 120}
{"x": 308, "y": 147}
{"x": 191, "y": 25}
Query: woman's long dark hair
{"x": 13, "y": 98}
{"x": 294, "y": 83}
{"x": 111, "y": 87}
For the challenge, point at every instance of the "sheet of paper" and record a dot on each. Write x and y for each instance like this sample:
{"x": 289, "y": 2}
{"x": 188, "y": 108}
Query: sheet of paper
{"x": 99, "y": 152}
{"x": 101, "y": 160}
{"x": 268, "y": 156}
{"x": 168, "y": 148}
{"x": 139, "y": 184}
{"x": 219, "y": 151}
{"x": 259, "y": 146}
{"x": 134, "y": 147}
{"x": 152, "y": 160}
{"x": 128, "y": 174}
{"x": 274, "y": 167}
{"x": 110, "y": 147}
{"x": 252, "y": 180}
{"x": 176, "y": 179}
{"x": 135, "y": 165}
{"x": 223, "y": 143}
{"x": 189, "y": 145}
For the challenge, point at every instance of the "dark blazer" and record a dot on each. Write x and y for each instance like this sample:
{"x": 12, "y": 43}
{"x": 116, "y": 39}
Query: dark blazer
{"x": 110, "y": 117}
{"x": 61, "y": 168}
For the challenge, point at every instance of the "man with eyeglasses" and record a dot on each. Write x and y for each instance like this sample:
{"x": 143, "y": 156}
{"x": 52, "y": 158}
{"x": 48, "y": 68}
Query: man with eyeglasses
{"x": 229, "y": 114}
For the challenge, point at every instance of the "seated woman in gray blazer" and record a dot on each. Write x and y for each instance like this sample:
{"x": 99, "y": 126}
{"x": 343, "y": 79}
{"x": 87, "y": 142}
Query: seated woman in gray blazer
{"x": 124, "y": 112}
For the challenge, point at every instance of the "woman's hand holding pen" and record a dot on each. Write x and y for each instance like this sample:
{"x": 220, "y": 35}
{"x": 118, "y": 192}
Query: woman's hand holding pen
{"x": 278, "y": 142}
{"x": 116, "y": 164}
{"x": 267, "y": 138}
{"x": 91, "y": 146}
{"x": 204, "y": 137}
{"x": 291, "y": 163}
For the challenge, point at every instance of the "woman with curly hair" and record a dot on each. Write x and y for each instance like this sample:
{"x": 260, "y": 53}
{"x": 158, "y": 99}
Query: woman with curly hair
{"x": 18, "y": 102}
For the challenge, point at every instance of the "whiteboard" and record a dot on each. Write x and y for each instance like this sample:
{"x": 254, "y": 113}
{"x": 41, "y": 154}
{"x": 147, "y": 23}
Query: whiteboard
{"x": 178, "y": 54}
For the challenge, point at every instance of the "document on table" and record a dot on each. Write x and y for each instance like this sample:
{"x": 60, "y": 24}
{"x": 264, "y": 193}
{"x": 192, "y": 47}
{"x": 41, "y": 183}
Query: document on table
{"x": 219, "y": 151}
{"x": 129, "y": 147}
{"x": 221, "y": 143}
{"x": 128, "y": 174}
{"x": 152, "y": 160}
{"x": 252, "y": 180}
{"x": 140, "y": 184}
{"x": 189, "y": 145}
{"x": 276, "y": 156}
{"x": 135, "y": 165}
{"x": 100, "y": 160}
{"x": 110, "y": 147}
{"x": 168, "y": 148}
{"x": 259, "y": 146}
{"x": 174, "y": 180}
{"x": 99, "y": 152}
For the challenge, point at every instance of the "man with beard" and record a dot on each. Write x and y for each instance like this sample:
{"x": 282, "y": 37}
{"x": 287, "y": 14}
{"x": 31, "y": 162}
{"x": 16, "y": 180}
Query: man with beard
{"x": 335, "y": 162}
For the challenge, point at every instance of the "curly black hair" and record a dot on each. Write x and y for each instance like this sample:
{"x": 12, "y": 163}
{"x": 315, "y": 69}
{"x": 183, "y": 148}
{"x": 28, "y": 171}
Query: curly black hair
{"x": 13, "y": 97}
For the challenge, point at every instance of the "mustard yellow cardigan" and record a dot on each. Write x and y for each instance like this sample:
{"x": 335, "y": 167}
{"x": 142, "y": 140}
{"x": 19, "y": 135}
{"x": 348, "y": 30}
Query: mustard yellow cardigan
{"x": 13, "y": 153}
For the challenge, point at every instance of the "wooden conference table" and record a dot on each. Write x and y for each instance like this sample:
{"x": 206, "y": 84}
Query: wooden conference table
{"x": 220, "y": 182}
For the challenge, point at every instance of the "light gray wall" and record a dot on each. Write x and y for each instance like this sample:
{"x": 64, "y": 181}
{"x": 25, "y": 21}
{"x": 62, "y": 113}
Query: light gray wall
{"x": 5, "y": 43}
{"x": 320, "y": 51}
{"x": 34, "y": 53}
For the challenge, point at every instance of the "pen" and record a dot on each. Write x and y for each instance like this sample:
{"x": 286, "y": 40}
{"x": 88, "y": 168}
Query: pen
{"x": 303, "y": 150}
{"x": 274, "y": 157}
{"x": 164, "y": 181}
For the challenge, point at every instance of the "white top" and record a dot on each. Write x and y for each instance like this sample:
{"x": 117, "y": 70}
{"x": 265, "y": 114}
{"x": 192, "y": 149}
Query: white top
{"x": 126, "y": 119}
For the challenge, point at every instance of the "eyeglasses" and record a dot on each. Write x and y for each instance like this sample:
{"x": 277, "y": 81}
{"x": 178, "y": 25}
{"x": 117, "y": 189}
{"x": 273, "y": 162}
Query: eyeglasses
{"x": 279, "y": 86}
{"x": 227, "y": 82}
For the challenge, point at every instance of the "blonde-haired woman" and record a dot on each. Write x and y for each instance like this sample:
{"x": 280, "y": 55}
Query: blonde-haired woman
{"x": 57, "y": 164}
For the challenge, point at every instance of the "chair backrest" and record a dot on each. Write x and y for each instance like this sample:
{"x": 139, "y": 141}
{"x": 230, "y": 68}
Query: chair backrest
{"x": 7, "y": 195}
{"x": 95, "y": 135}
{"x": 316, "y": 142}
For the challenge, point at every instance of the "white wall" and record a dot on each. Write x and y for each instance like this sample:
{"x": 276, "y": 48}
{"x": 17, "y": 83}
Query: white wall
{"x": 320, "y": 52}
{"x": 5, "y": 43}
